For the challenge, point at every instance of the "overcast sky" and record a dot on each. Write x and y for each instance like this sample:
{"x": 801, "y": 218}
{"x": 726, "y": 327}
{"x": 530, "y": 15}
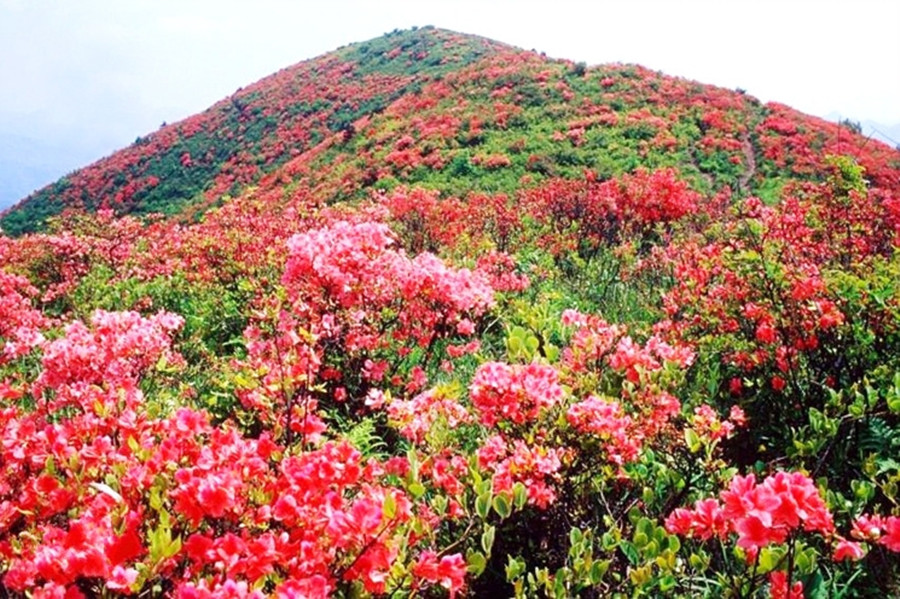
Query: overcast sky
{"x": 83, "y": 78}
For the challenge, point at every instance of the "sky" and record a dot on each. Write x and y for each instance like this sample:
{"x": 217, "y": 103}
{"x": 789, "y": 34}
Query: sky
{"x": 80, "y": 79}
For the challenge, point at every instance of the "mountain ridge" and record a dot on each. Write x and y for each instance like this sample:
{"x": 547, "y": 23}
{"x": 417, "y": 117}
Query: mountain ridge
{"x": 190, "y": 165}
{"x": 199, "y": 131}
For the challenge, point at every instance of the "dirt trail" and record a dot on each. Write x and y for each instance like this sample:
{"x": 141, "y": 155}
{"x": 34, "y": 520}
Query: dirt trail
{"x": 750, "y": 159}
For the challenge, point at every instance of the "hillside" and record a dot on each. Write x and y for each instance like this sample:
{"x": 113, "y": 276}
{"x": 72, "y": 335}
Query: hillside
{"x": 431, "y": 315}
{"x": 459, "y": 114}
{"x": 193, "y": 163}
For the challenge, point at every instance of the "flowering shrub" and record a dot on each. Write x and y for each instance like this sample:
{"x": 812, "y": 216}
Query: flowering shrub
{"x": 501, "y": 392}
{"x": 176, "y": 498}
{"x": 760, "y": 514}
{"x": 21, "y": 325}
{"x": 774, "y": 522}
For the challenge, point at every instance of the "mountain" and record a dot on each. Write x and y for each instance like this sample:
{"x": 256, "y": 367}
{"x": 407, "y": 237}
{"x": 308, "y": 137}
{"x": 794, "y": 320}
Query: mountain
{"x": 432, "y": 315}
{"x": 193, "y": 163}
{"x": 428, "y": 105}
{"x": 889, "y": 134}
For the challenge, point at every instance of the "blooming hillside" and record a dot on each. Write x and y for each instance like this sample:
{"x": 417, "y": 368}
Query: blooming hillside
{"x": 434, "y": 316}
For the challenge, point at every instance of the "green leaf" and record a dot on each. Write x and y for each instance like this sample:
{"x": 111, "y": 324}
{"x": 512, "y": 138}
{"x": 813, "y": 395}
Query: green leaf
{"x": 692, "y": 440}
{"x": 518, "y": 333}
{"x": 244, "y": 382}
{"x": 476, "y": 562}
{"x": 768, "y": 559}
{"x": 440, "y": 504}
{"x": 156, "y": 501}
{"x": 477, "y": 479}
{"x": 162, "y": 546}
{"x": 417, "y": 489}
{"x": 559, "y": 584}
{"x": 413, "y": 460}
{"x": 502, "y": 506}
{"x": 886, "y": 465}
{"x": 815, "y": 586}
{"x": 389, "y": 509}
{"x": 598, "y": 571}
{"x": 807, "y": 560}
{"x": 483, "y": 505}
{"x": 487, "y": 539}
{"x": 645, "y": 526}
{"x": 667, "y": 583}
{"x": 552, "y": 352}
{"x": 575, "y": 536}
{"x": 520, "y": 495}
{"x": 173, "y": 547}
{"x": 577, "y": 564}
{"x": 894, "y": 404}
{"x": 863, "y": 490}
{"x": 514, "y": 568}
{"x": 815, "y": 420}
{"x": 630, "y": 552}
{"x": 609, "y": 541}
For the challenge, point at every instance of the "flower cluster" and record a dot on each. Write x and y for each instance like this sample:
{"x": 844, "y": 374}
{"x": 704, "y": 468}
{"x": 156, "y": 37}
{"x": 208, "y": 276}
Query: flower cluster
{"x": 416, "y": 417}
{"x": 606, "y": 419}
{"x": 533, "y": 465}
{"x": 707, "y": 422}
{"x": 759, "y": 514}
{"x": 20, "y": 323}
{"x": 513, "y": 393}
{"x": 115, "y": 350}
{"x": 449, "y": 571}
{"x": 883, "y": 530}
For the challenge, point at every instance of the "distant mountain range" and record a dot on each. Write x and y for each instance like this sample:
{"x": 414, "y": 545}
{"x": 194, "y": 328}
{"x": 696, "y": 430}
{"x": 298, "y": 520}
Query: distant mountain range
{"x": 28, "y": 164}
{"x": 889, "y": 134}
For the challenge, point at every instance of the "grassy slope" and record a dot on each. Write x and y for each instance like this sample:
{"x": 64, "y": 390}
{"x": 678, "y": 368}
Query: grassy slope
{"x": 480, "y": 116}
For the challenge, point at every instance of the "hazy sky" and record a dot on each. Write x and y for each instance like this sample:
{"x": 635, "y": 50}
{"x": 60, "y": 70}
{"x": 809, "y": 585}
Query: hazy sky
{"x": 86, "y": 77}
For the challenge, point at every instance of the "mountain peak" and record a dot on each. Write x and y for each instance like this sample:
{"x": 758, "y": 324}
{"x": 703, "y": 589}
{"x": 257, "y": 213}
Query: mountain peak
{"x": 453, "y": 111}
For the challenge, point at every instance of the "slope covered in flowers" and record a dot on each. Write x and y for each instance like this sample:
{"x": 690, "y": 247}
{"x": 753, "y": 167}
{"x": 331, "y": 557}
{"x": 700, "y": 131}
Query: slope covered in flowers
{"x": 432, "y": 316}
{"x": 193, "y": 163}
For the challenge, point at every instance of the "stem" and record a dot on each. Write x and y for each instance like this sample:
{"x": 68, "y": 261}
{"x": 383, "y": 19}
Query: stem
{"x": 790, "y": 571}
{"x": 458, "y": 541}
{"x": 753, "y": 576}
{"x": 340, "y": 573}
{"x": 287, "y": 397}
